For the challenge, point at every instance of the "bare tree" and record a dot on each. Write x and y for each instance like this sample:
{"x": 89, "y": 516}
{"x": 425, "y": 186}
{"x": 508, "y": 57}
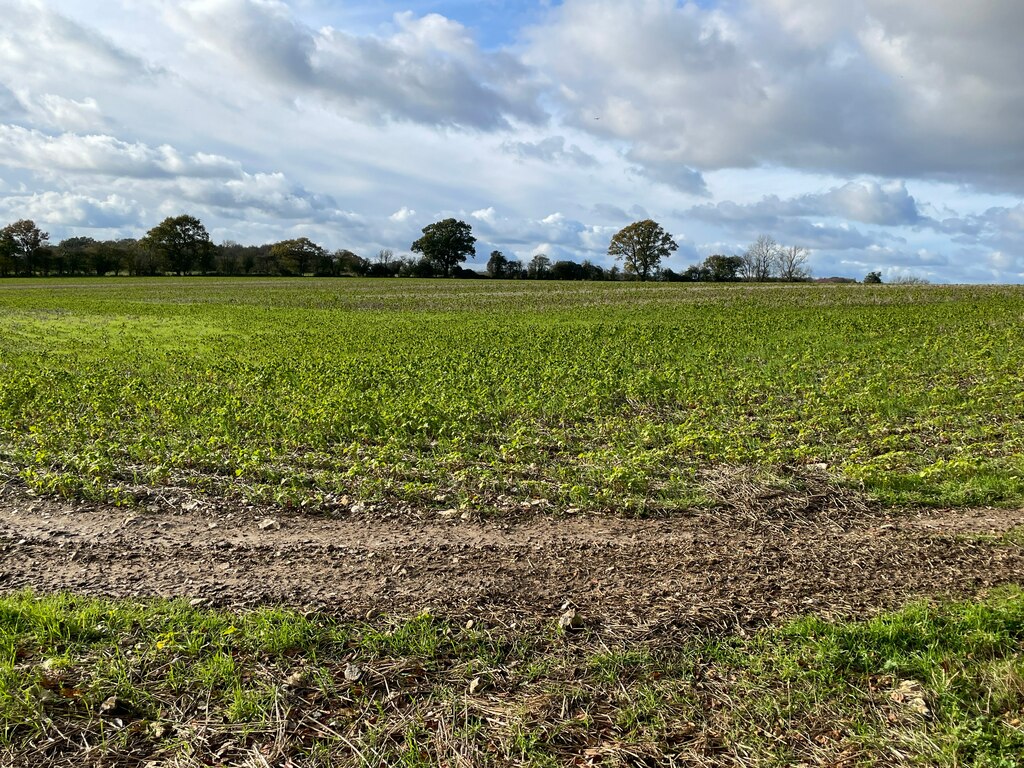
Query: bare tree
{"x": 791, "y": 264}
{"x": 385, "y": 256}
{"x": 759, "y": 259}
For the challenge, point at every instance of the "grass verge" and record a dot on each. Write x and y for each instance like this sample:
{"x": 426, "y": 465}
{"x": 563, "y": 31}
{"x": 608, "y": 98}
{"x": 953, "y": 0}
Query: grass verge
{"x": 95, "y": 682}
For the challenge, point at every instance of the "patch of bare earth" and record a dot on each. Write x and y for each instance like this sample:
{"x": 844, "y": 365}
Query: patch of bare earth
{"x": 764, "y": 553}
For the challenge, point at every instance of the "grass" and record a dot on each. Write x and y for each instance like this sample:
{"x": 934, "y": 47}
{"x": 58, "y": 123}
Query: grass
{"x": 938, "y": 684}
{"x": 491, "y": 395}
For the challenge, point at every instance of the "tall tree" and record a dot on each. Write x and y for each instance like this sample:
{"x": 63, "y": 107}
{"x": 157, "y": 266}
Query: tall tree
{"x": 497, "y": 265}
{"x": 348, "y": 263}
{"x": 446, "y": 244}
{"x": 642, "y": 245}
{"x": 8, "y": 265}
{"x": 25, "y": 241}
{"x": 538, "y": 267}
{"x": 182, "y": 242}
{"x": 76, "y": 254}
{"x": 760, "y": 259}
{"x": 722, "y": 269}
{"x": 296, "y": 257}
{"x": 791, "y": 264}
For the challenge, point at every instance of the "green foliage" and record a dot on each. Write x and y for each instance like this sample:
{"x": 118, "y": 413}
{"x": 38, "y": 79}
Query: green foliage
{"x": 714, "y": 269}
{"x": 596, "y": 395}
{"x": 182, "y": 242}
{"x": 20, "y": 245}
{"x": 642, "y": 245}
{"x": 429, "y": 691}
{"x": 497, "y": 265}
{"x": 298, "y": 257}
{"x": 873, "y": 278}
{"x": 446, "y": 244}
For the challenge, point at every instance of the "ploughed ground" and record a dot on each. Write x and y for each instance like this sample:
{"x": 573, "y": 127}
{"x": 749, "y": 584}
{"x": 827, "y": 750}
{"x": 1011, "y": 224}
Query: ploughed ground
{"x": 759, "y": 555}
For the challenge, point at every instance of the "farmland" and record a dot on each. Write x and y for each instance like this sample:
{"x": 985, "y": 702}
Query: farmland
{"x": 368, "y": 522}
{"x": 486, "y": 396}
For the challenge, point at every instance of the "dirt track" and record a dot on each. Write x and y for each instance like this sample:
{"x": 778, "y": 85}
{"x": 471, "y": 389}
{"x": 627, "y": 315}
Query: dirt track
{"x": 696, "y": 571}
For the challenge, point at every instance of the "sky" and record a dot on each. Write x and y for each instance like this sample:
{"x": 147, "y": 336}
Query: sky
{"x": 880, "y": 135}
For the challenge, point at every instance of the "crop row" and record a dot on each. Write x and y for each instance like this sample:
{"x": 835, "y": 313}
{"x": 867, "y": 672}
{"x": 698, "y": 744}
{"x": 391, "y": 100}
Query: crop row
{"x": 453, "y": 393}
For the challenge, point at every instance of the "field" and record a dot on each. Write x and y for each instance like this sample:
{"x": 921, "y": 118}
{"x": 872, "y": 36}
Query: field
{"x": 619, "y": 397}
{"x": 751, "y": 505}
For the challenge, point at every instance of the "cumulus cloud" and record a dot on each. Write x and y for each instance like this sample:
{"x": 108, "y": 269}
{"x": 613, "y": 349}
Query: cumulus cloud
{"x": 402, "y": 215}
{"x": 550, "y": 150}
{"x": 916, "y": 89}
{"x": 783, "y": 220}
{"x": 269, "y": 193}
{"x": 105, "y": 155}
{"x": 1000, "y": 228}
{"x": 54, "y": 111}
{"x": 869, "y": 202}
{"x": 681, "y": 178}
{"x": 486, "y": 215}
{"x": 429, "y": 70}
{"x": 557, "y": 235}
{"x": 149, "y": 179}
{"x": 74, "y": 210}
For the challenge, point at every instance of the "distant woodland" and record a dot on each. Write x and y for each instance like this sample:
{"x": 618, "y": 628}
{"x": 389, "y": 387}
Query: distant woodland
{"x": 181, "y": 245}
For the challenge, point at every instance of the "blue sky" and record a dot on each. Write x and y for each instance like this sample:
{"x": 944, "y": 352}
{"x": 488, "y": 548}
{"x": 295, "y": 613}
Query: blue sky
{"x": 879, "y": 135}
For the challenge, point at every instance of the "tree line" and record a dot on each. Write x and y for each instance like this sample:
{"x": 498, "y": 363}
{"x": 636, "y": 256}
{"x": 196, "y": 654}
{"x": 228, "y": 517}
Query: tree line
{"x": 180, "y": 245}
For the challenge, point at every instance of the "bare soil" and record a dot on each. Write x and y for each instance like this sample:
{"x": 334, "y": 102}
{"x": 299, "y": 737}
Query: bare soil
{"x": 758, "y": 558}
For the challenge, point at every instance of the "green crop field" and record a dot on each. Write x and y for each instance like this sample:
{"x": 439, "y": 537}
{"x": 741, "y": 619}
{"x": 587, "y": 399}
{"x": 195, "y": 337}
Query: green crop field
{"x": 491, "y": 394}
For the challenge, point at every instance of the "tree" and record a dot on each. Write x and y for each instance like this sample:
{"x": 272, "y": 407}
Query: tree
{"x": 76, "y": 254}
{"x": 515, "y": 270}
{"x": 759, "y": 259}
{"x": 297, "y": 257}
{"x": 873, "y": 278}
{"x": 567, "y": 270}
{"x": 695, "y": 273}
{"x": 23, "y": 243}
{"x": 497, "y": 265}
{"x": 8, "y": 265}
{"x": 791, "y": 264}
{"x": 642, "y": 245}
{"x": 348, "y": 263}
{"x": 592, "y": 271}
{"x": 182, "y": 242}
{"x": 722, "y": 269}
{"x": 538, "y": 267}
{"x": 446, "y": 244}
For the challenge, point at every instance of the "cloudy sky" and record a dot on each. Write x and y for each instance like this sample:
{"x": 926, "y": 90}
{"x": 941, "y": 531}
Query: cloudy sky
{"x": 881, "y": 134}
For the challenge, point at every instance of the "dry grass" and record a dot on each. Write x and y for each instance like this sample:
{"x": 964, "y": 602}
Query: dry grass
{"x": 938, "y": 685}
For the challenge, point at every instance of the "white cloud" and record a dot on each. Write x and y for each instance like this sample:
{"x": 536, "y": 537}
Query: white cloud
{"x": 486, "y": 215}
{"x": 59, "y": 112}
{"x": 918, "y": 89}
{"x": 550, "y": 150}
{"x": 869, "y": 202}
{"x": 37, "y": 44}
{"x": 74, "y": 210}
{"x": 403, "y": 214}
{"x": 105, "y": 155}
{"x": 428, "y": 70}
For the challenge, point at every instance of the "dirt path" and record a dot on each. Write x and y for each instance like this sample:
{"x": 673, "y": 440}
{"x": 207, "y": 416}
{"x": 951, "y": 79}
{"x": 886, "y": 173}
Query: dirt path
{"x": 698, "y": 571}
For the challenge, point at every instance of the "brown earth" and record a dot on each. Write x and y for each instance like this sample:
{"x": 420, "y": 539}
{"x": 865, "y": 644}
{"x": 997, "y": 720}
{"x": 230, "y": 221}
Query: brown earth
{"x": 759, "y": 557}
